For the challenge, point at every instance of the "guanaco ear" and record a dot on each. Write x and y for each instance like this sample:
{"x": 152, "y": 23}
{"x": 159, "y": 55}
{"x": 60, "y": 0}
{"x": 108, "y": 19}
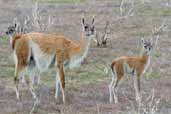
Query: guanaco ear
{"x": 17, "y": 28}
{"x": 15, "y": 22}
{"x": 142, "y": 41}
{"x": 151, "y": 42}
{"x": 83, "y": 21}
{"x": 27, "y": 20}
{"x": 93, "y": 21}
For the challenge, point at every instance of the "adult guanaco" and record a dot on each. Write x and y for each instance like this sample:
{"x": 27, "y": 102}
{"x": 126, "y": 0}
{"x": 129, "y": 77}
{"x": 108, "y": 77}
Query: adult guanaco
{"x": 40, "y": 51}
{"x": 133, "y": 65}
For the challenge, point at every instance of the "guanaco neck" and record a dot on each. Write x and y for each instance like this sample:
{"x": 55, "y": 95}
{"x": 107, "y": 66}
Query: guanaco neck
{"x": 84, "y": 42}
{"x": 145, "y": 58}
{"x": 11, "y": 37}
{"x": 83, "y": 51}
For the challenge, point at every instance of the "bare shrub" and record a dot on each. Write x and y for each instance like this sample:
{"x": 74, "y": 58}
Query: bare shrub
{"x": 39, "y": 21}
{"x": 101, "y": 40}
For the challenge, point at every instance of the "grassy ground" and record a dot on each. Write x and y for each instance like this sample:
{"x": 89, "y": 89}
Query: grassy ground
{"x": 60, "y": 1}
{"x": 87, "y": 86}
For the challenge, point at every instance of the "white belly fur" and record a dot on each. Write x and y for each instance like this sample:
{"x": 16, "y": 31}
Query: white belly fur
{"x": 147, "y": 65}
{"x": 42, "y": 60}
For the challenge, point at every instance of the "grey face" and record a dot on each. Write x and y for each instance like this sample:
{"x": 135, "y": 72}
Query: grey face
{"x": 147, "y": 46}
{"x": 89, "y": 29}
{"x": 16, "y": 27}
{"x": 11, "y": 30}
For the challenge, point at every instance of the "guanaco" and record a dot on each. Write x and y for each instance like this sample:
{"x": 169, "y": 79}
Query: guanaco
{"x": 133, "y": 65}
{"x": 40, "y": 51}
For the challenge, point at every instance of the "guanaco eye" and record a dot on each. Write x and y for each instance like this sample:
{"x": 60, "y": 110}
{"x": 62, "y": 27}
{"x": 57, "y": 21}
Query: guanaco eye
{"x": 145, "y": 47}
{"x": 86, "y": 27}
{"x": 149, "y": 49}
{"x": 92, "y": 29}
{"x": 11, "y": 31}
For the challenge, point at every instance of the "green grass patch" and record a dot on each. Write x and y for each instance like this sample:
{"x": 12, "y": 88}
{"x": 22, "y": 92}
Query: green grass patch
{"x": 60, "y": 1}
{"x": 6, "y": 72}
{"x": 92, "y": 77}
{"x": 139, "y": 33}
{"x": 48, "y": 78}
{"x": 145, "y": 10}
{"x": 152, "y": 75}
{"x": 3, "y": 39}
{"x": 157, "y": 55}
{"x": 89, "y": 76}
{"x": 165, "y": 11}
{"x": 74, "y": 77}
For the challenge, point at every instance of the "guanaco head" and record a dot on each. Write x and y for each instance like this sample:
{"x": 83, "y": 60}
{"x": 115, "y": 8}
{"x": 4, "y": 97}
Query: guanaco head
{"x": 88, "y": 28}
{"x": 147, "y": 46}
{"x": 17, "y": 28}
{"x": 12, "y": 29}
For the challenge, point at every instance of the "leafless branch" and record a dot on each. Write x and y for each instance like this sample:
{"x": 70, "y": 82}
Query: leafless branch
{"x": 122, "y": 11}
{"x": 102, "y": 41}
{"x": 6, "y": 65}
{"x": 156, "y": 34}
{"x": 167, "y": 4}
{"x": 152, "y": 106}
{"x": 36, "y": 17}
{"x": 34, "y": 105}
{"x": 158, "y": 30}
{"x": 40, "y": 22}
{"x": 26, "y": 24}
{"x": 145, "y": 1}
{"x": 121, "y": 8}
{"x": 97, "y": 41}
{"x": 104, "y": 37}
